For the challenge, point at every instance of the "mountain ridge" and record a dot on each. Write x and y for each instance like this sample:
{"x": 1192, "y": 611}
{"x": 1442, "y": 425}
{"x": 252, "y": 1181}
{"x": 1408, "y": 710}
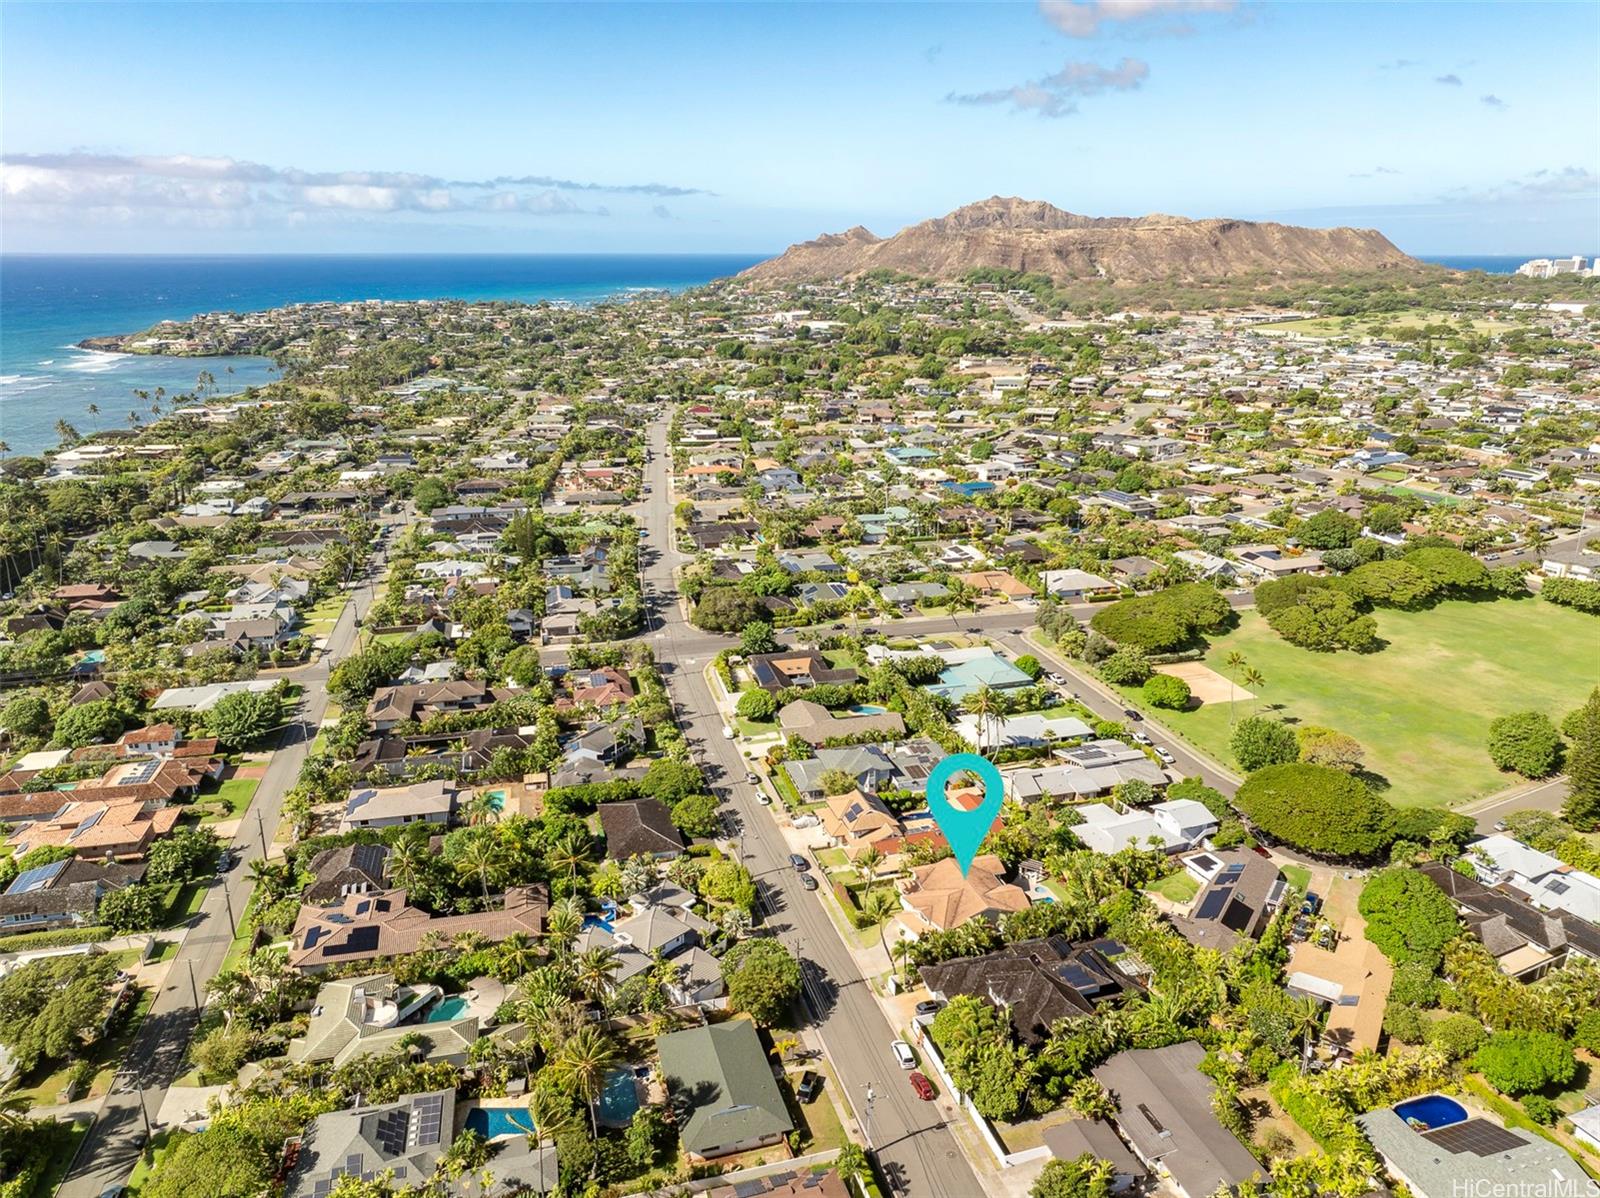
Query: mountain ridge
{"x": 1009, "y": 233}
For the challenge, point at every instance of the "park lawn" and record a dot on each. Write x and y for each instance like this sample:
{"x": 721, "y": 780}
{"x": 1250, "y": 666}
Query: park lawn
{"x": 1421, "y": 707}
{"x": 1180, "y": 887}
{"x": 1363, "y": 326}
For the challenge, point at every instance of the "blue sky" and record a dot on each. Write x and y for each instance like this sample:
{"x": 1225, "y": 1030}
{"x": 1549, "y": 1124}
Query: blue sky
{"x": 1453, "y": 127}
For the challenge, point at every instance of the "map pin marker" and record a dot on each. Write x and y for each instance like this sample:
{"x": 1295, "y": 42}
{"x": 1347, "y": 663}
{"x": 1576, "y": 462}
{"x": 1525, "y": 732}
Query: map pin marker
{"x": 965, "y": 830}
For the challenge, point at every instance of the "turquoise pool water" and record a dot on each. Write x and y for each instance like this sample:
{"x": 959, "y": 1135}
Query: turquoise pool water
{"x": 495, "y": 1121}
{"x": 619, "y": 1100}
{"x": 446, "y": 1009}
{"x": 497, "y": 799}
{"x": 868, "y": 709}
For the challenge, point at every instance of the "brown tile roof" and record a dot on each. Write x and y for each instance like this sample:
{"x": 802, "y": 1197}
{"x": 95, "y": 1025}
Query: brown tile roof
{"x": 384, "y": 924}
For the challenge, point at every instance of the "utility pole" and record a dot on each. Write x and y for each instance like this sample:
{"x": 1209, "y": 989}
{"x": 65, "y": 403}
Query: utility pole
{"x": 866, "y": 1123}
{"x": 261, "y": 830}
{"x": 233, "y": 925}
{"x": 194, "y": 990}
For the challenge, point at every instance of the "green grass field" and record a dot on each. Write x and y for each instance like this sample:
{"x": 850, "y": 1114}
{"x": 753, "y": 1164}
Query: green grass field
{"x": 236, "y": 793}
{"x": 1363, "y": 326}
{"x": 1421, "y": 707}
{"x": 1178, "y": 888}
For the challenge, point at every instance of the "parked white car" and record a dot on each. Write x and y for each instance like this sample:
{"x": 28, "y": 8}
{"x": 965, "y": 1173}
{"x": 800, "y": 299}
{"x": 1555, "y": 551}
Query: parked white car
{"x": 903, "y": 1054}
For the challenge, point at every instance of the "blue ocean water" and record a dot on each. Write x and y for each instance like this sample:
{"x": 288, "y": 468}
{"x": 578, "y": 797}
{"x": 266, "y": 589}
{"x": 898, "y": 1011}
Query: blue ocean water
{"x": 48, "y": 303}
{"x": 1493, "y": 264}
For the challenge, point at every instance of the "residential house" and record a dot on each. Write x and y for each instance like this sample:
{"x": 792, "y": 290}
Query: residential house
{"x": 719, "y": 1079}
{"x": 1070, "y": 1140}
{"x": 940, "y": 897}
{"x": 1020, "y": 731}
{"x": 384, "y": 924}
{"x": 1164, "y": 1112}
{"x": 1077, "y": 586}
{"x": 62, "y": 893}
{"x": 1546, "y": 881}
{"x": 338, "y": 873}
{"x": 1034, "y": 983}
{"x": 999, "y": 585}
{"x": 1524, "y": 941}
{"x": 640, "y": 828}
{"x": 968, "y": 671}
{"x": 1471, "y": 1156}
{"x": 433, "y": 802}
{"x": 1172, "y": 826}
{"x": 1240, "y": 892}
{"x": 404, "y": 1140}
{"x": 777, "y": 672}
{"x": 816, "y": 725}
{"x": 391, "y": 705}
{"x": 366, "y": 1016}
{"x": 114, "y": 829}
{"x": 1085, "y": 771}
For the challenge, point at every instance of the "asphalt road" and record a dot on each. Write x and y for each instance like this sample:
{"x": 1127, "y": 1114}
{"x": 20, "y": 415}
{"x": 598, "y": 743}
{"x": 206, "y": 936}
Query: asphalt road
{"x": 916, "y": 1151}
{"x": 111, "y": 1149}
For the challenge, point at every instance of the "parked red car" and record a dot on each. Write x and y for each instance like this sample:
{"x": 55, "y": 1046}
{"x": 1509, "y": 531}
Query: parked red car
{"x": 922, "y": 1086}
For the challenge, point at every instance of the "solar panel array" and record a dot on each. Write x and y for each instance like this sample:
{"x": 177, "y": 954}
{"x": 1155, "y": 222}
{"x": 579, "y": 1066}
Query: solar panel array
{"x": 1211, "y": 905}
{"x": 141, "y": 773}
{"x": 1477, "y": 1136}
{"x": 394, "y": 1128}
{"x": 36, "y": 878}
{"x": 430, "y": 1113}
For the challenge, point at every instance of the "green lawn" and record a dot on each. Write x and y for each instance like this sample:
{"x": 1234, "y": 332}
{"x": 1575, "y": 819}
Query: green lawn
{"x": 1180, "y": 887}
{"x": 1297, "y": 876}
{"x": 1421, "y": 707}
{"x": 1363, "y": 326}
{"x": 236, "y": 793}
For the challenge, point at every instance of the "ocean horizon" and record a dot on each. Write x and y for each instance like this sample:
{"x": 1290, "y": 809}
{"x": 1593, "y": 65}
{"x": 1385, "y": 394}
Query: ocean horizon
{"x": 50, "y": 302}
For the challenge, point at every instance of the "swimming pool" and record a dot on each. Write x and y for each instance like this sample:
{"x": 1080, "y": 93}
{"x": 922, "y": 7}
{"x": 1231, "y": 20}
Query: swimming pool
{"x": 619, "y": 1100}
{"x": 446, "y": 1009}
{"x": 869, "y": 709}
{"x": 497, "y": 799}
{"x": 492, "y": 1122}
{"x": 1431, "y": 1110}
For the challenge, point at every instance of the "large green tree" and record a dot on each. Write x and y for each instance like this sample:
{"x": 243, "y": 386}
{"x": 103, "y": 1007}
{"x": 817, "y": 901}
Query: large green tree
{"x": 1583, "y": 764}
{"x": 1525, "y": 742}
{"x": 762, "y": 978}
{"x": 1407, "y": 915}
{"x": 1318, "y": 809}
{"x": 54, "y": 1007}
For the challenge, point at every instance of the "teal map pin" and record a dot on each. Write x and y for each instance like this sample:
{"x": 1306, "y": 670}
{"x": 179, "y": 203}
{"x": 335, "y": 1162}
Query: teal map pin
{"x": 965, "y": 830}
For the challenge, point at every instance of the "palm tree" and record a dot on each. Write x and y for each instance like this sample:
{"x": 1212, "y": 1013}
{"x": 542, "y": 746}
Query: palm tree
{"x": 583, "y": 1064}
{"x": 482, "y": 810}
{"x": 518, "y": 954}
{"x": 482, "y": 858}
{"x": 1254, "y": 681}
{"x": 595, "y": 968}
{"x": 985, "y": 704}
{"x": 736, "y": 923}
{"x": 1305, "y": 1020}
{"x": 1234, "y": 662}
{"x": 549, "y": 1114}
{"x": 94, "y": 410}
{"x": 638, "y": 875}
{"x": 569, "y": 853}
{"x": 562, "y": 925}
{"x": 867, "y": 862}
{"x": 877, "y": 906}
{"x": 407, "y": 861}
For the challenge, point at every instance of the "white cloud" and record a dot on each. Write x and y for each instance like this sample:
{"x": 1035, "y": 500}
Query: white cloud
{"x": 1494, "y": 102}
{"x": 116, "y": 187}
{"x": 1085, "y": 18}
{"x": 1055, "y": 95}
{"x": 1448, "y": 80}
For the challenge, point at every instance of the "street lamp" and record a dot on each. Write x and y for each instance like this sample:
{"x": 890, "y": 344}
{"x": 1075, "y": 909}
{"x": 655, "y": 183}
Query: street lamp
{"x": 867, "y": 1121}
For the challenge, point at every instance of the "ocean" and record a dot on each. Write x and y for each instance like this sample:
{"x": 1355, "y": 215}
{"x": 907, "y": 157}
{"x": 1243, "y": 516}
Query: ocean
{"x": 49, "y": 303}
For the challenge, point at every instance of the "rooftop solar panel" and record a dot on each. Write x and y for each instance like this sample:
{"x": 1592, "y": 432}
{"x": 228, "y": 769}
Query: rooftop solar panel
{"x": 1477, "y": 1136}
{"x": 1211, "y": 905}
{"x": 1237, "y": 916}
{"x": 36, "y": 878}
